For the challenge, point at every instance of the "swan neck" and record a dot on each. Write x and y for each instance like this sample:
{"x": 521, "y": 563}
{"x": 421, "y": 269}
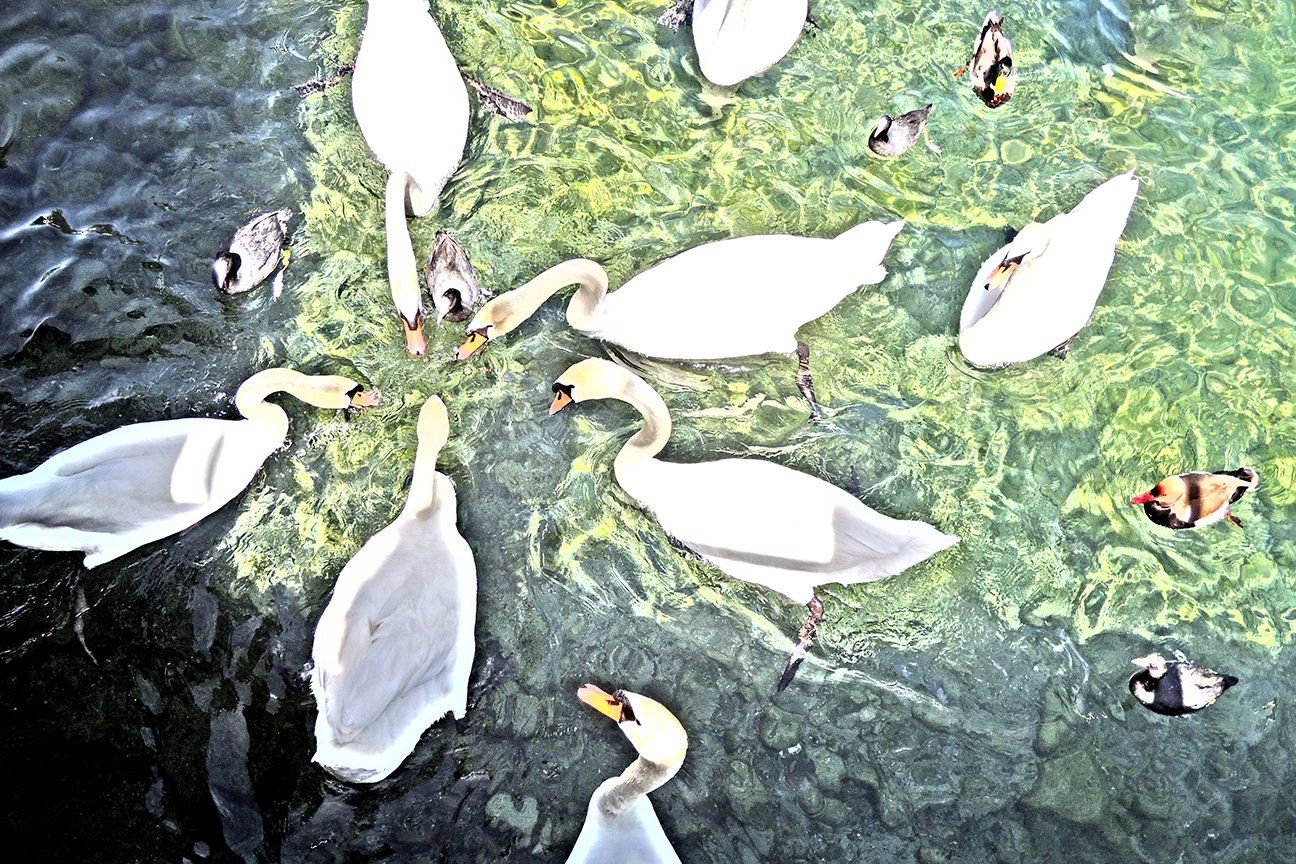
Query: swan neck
{"x": 656, "y": 431}
{"x": 402, "y": 270}
{"x": 422, "y": 493}
{"x": 583, "y": 311}
{"x": 252, "y": 393}
{"x": 642, "y": 777}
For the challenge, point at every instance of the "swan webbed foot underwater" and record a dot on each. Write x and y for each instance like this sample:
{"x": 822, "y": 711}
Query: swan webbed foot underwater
{"x": 804, "y": 382}
{"x": 805, "y": 639}
{"x": 497, "y": 101}
{"x": 680, "y": 12}
{"x": 1061, "y": 351}
{"x": 79, "y": 610}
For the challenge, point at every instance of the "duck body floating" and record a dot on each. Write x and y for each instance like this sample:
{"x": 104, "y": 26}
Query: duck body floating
{"x": 253, "y": 254}
{"x": 620, "y": 824}
{"x": 394, "y": 647}
{"x": 451, "y": 279}
{"x": 1035, "y": 294}
{"x": 142, "y": 482}
{"x": 991, "y": 72}
{"x": 412, "y": 106}
{"x": 1196, "y": 498}
{"x": 894, "y": 135}
{"x": 1176, "y": 688}
{"x": 738, "y": 39}
{"x": 730, "y": 298}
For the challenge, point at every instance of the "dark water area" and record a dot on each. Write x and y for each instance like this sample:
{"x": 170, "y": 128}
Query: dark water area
{"x": 972, "y": 709}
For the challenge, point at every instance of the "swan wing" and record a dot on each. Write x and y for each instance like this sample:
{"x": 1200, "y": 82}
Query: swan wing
{"x": 736, "y": 39}
{"x": 1049, "y": 298}
{"x": 634, "y": 836}
{"x": 132, "y": 485}
{"x": 409, "y": 99}
{"x": 744, "y": 295}
{"x": 770, "y": 525}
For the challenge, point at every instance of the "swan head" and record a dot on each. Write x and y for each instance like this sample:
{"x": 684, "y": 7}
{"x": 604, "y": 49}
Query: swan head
{"x": 451, "y": 279}
{"x": 491, "y": 321}
{"x": 652, "y": 729}
{"x": 594, "y": 378}
{"x": 225, "y": 270}
{"x": 1029, "y": 244}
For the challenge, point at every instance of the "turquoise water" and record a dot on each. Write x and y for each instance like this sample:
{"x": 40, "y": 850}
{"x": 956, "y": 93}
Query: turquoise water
{"x": 971, "y": 709}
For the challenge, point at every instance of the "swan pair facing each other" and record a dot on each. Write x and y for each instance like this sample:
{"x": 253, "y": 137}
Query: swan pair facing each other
{"x": 757, "y": 521}
{"x": 394, "y": 647}
{"x": 1035, "y": 294}
{"x": 142, "y": 482}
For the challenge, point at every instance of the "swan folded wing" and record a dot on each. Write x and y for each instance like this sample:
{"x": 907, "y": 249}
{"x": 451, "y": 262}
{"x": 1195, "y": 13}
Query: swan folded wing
{"x": 633, "y": 836}
{"x": 733, "y": 298}
{"x": 773, "y": 526}
{"x": 736, "y": 39}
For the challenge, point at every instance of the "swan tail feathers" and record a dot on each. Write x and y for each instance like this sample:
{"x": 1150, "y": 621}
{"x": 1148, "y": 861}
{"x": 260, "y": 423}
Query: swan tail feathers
{"x": 805, "y": 640}
{"x": 866, "y": 245}
{"x": 804, "y": 382}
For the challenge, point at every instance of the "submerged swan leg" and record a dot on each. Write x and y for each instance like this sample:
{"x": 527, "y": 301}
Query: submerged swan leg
{"x": 803, "y": 380}
{"x": 79, "y": 609}
{"x": 805, "y": 639}
{"x": 1062, "y": 350}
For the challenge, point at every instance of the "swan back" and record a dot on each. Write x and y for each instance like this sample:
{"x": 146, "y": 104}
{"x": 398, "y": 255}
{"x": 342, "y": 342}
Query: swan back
{"x": 736, "y": 39}
{"x": 744, "y": 295}
{"x": 1051, "y": 293}
{"x": 409, "y": 99}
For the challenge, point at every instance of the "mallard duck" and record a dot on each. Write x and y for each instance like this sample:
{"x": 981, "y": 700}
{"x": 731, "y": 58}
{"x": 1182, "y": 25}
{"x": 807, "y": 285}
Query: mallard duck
{"x": 412, "y": 106}
{"x": 253, "y": 253}
{"x": 736, "y": 39}
{"x": 757, "y": 521}
{"x": 991, "y": 71}
{"x": 621, "y": 822}
{"x": 451, "y": 280}
{"x": 1176, "y": 688}
{"x": 730, "y": 298}
{"x": 394, "y": 647}
{"x": 894, "y": 135}
{"x": 1196, "y": 498}
{"x": 142, "y": 482}
{"x": 1035, "y": 294}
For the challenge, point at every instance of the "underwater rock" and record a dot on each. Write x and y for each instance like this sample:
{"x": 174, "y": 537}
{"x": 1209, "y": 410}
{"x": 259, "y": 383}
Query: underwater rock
{"x": 231, "y": 785}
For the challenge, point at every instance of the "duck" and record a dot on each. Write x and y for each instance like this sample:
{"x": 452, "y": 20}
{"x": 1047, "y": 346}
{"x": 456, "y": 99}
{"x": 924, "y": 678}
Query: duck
{"x": 394, "y": 647}
{"x": 736, "y": 297}
{"x": 620, "y": 817}
{"x": 756, "y": 521}
{"x": 1196, "y": 498}
{"x": 739, "y": 39}
{"x": 991, "y": 71}
{"x": 1035, "y": 294}
{"x": 451, "y": 279}
{"x": 1176, "y": 688}
{"x": 412, "y": 106}
{"x": 894, "y": 135}
{"x": 138, "y": 483}
{"x": 253, "y": 253}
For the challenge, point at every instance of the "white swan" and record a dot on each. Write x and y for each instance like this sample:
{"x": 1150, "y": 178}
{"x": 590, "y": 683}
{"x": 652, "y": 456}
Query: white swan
{"x": 736, "y": 39}
{"x": 412, "y": 106}
{"x": 757, "y": 521}
{"x": 730, "y": 298}
{"x": 142, "y": 482}
{"x": 621, "y": 824}
{"x": 394, "y": 647}
{"x": 1034, "y": 295}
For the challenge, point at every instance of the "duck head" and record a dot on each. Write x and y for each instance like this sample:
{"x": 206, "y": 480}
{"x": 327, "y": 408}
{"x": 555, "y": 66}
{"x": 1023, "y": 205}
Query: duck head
{"x": 450, "y": 278}
{"x": 1030, "y": 243}
{"x": 225, "y": 270}
{"x": 1166, "y": 493}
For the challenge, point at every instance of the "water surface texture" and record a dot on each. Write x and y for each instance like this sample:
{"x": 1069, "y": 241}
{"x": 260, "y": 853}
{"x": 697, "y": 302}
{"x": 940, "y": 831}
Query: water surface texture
{"x": 972, "y": 709}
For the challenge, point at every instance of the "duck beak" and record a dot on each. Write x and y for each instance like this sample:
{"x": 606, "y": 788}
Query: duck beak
{"x": 1144, "y": 498}
{"x": 414, "y": 341}
{"x": 604, "y": 703}
{"x": 1001, "y": 84}
{"x": 476, "y": 339}
{"x": 561, "y": 401}
{"x": 1001, "y": 274}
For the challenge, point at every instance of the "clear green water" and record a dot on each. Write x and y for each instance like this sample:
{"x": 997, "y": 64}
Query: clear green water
{"x": 971, "y": 709}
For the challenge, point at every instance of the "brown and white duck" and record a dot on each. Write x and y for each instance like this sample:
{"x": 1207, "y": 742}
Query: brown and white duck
{"x": 991, "y": 71}
{"x": 1174, "y": 688}
{"x": 253, "y": 254}
{"x": 1196, "y": 498}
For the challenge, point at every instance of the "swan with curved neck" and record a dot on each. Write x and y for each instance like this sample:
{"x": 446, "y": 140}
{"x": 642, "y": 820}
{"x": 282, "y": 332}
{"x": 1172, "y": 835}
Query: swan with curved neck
{"x": 394, "y": 647}
{"x": 730, "y": 298}
{"x": 142, "y": 482}
{"x": 757, "y": 521}
{"x": 412, "y": 107}
{"x": 620, "y": 823}
{"x": 1035, "y": 294}
{"x": 737, "y": 39}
